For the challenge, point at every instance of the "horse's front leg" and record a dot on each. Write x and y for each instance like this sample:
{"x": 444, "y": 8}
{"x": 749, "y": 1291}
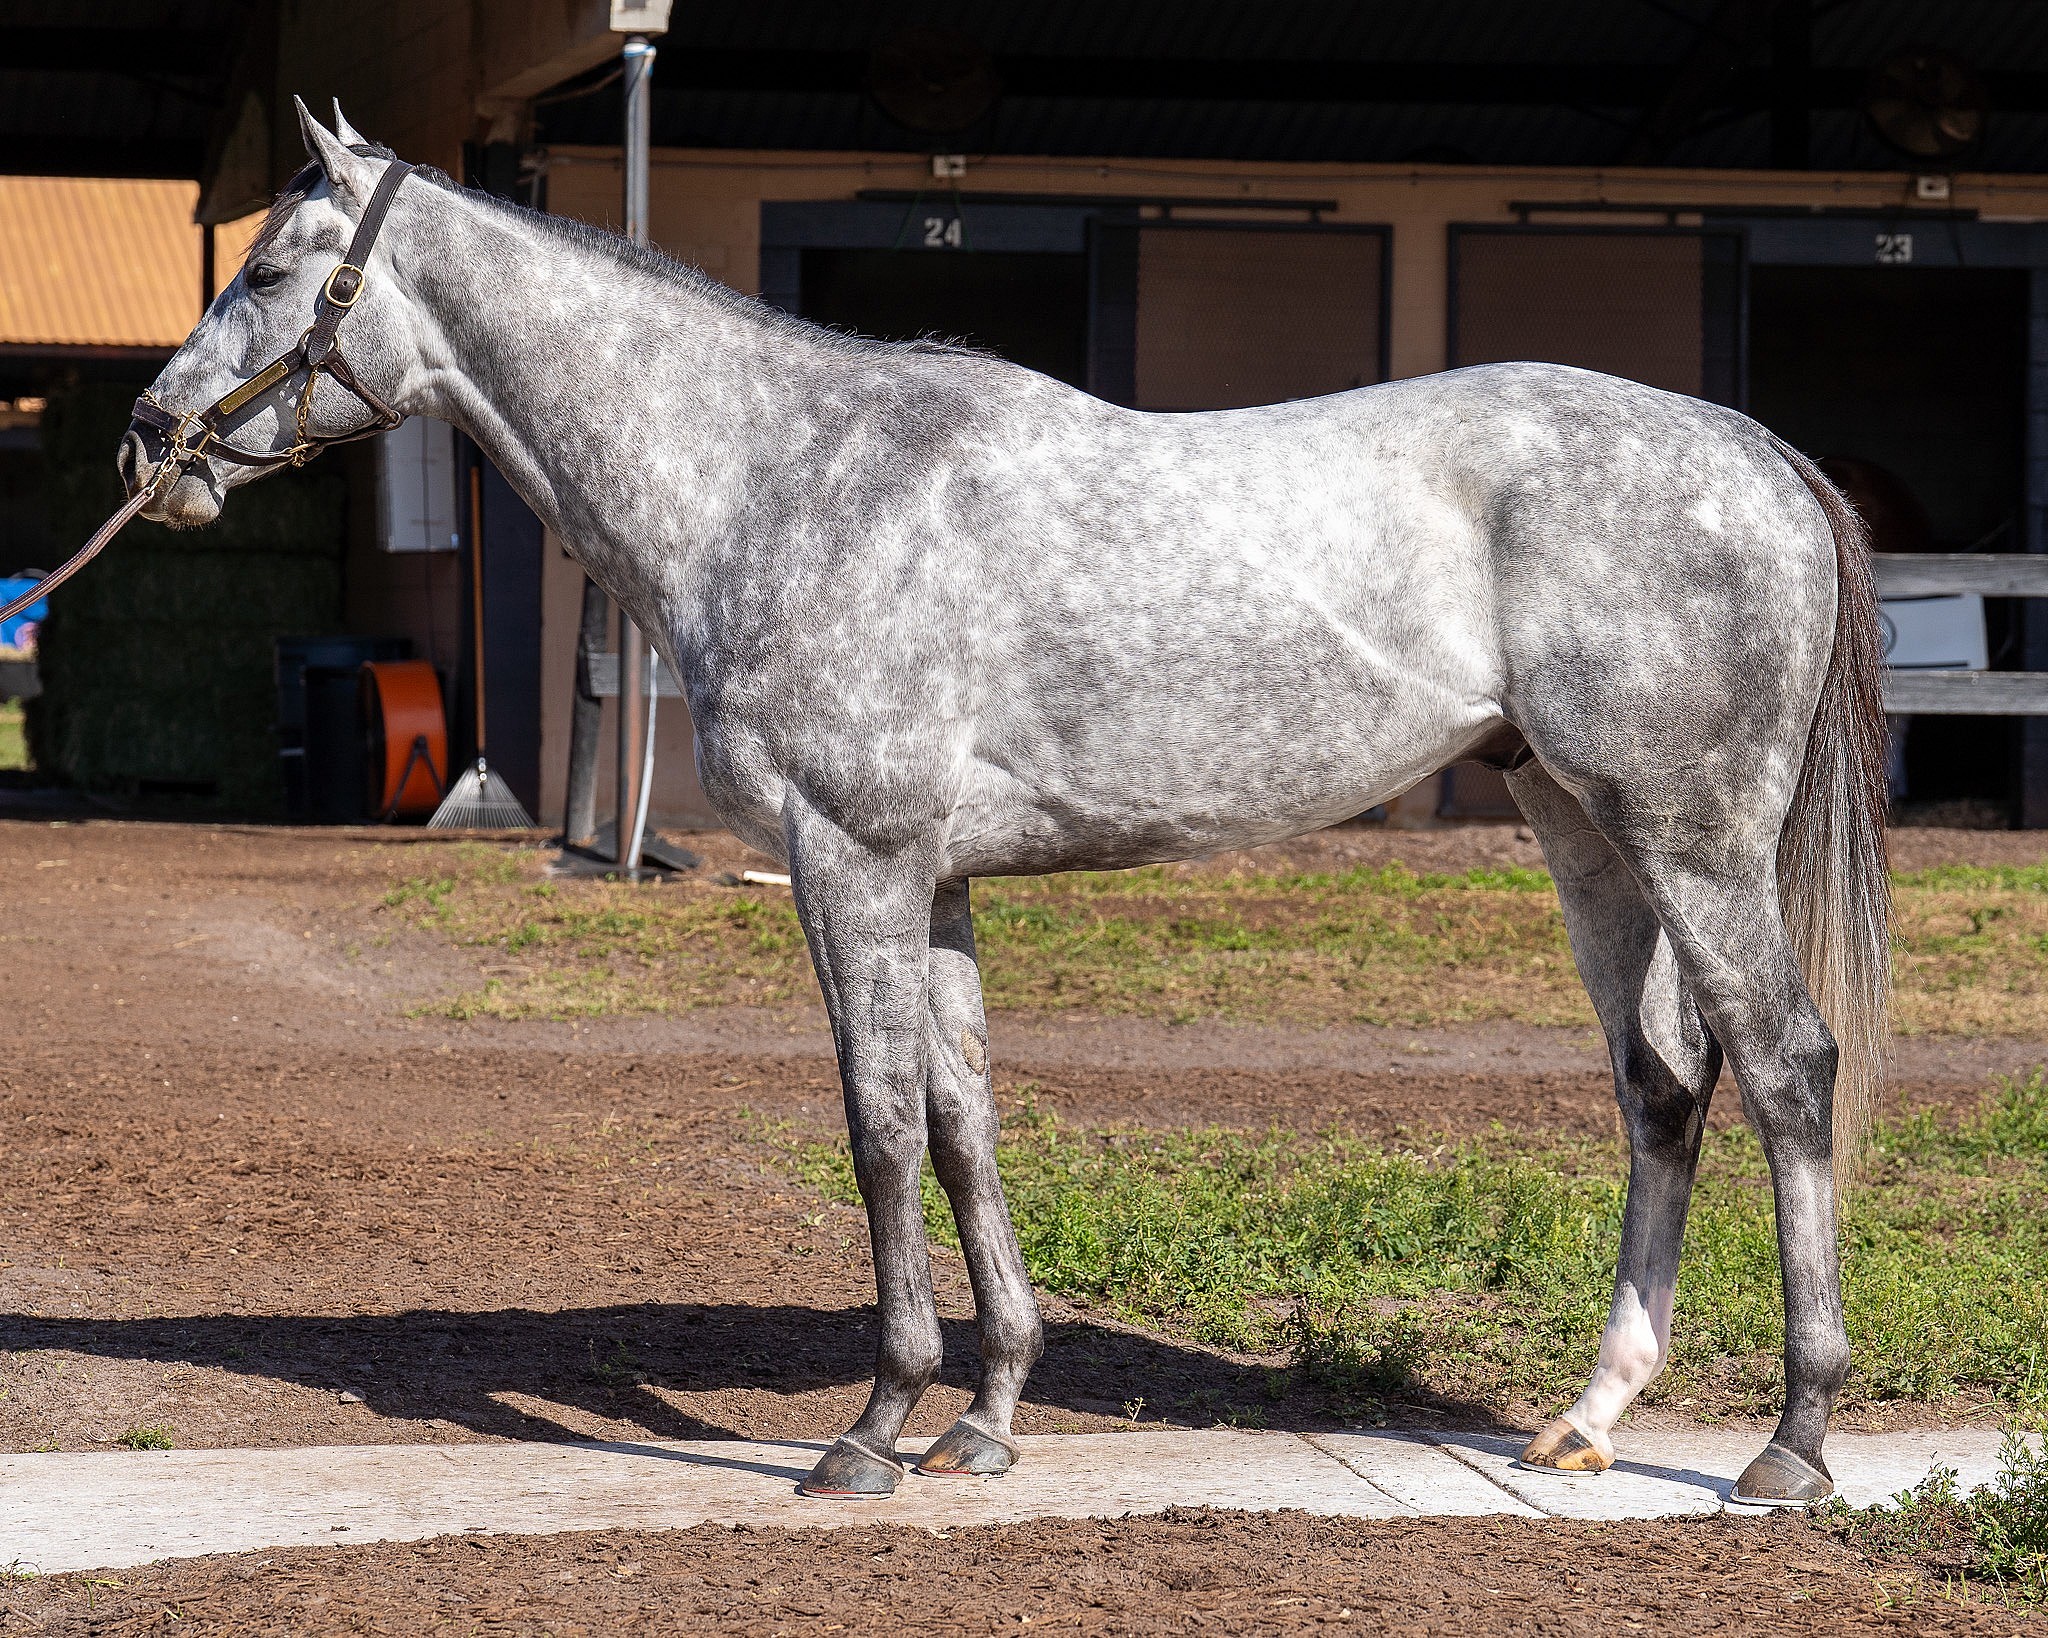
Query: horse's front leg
{"x": 867, "y": 917}
{"x": 962, "y": 1111}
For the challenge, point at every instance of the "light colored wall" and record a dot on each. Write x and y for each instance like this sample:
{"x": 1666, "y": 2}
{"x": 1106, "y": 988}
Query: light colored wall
{"x": 705, "y": 206}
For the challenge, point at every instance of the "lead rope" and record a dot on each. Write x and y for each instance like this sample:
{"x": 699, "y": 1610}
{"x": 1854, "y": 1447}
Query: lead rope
{"x": 91, "y": 549}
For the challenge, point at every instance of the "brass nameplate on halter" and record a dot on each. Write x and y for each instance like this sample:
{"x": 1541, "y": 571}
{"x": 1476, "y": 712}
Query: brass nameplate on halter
{"x": 256, "y": 386}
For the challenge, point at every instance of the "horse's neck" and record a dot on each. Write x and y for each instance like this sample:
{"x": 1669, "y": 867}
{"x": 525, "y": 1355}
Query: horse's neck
{"x": 607, "y": 395}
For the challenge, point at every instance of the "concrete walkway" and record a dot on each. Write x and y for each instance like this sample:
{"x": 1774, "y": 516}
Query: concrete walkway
{"x": 106, "y": 1511}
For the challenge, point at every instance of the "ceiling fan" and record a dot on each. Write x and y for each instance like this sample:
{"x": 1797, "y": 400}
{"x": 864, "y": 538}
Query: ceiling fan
{"x": 1927, "y": 103}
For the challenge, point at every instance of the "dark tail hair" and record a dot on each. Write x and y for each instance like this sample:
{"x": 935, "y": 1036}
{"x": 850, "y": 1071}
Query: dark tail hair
{"x": 1833, "y": 880}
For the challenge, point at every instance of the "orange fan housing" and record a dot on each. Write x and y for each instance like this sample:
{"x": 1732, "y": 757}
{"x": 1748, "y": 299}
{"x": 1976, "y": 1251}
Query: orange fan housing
{"x": 408, "y": 735}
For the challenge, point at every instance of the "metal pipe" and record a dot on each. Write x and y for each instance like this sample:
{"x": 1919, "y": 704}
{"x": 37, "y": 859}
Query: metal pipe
{"x": 586, "y": 722}
{"x": 635, "y": 756}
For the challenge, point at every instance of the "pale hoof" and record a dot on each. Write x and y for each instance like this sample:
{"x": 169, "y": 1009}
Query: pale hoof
{"x": 1562, "y": 1448}
{"x": 963, "y": 1451}
{"x": 1782, "y": 1478}
{"x": 851, "y": 1471}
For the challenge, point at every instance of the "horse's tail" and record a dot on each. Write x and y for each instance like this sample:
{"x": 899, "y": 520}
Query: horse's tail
{"x": 1832, "y": 875}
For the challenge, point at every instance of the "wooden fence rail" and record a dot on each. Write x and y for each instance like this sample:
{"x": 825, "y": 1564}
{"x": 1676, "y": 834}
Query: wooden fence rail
{"x": 1963, "y": 693}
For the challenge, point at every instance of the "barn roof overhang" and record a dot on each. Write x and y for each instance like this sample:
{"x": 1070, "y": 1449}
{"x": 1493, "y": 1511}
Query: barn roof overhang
{"x": 121, "y": 88}
{"x": 184, "y": 88}
{"x": 1682, "y": 83}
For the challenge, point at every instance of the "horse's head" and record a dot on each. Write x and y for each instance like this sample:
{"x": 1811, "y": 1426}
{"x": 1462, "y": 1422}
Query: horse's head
{"x": 272, "y": 372}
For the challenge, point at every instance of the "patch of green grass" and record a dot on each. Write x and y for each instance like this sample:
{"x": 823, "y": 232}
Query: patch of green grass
{"x": 1482, "y": 1270}
{"x": 1387, "y": 945}
{"x": 13, "y": 736}
{"x": 1995, "y": 1538}
{"x": 146, "y": 1438}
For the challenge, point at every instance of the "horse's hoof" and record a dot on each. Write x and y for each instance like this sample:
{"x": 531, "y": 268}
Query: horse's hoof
{"x": 963, "y": 1451}
{"x": 1562, "y": 1448}
{"x": 849, "y": 1470}
{"x": 1783, "y": 1478}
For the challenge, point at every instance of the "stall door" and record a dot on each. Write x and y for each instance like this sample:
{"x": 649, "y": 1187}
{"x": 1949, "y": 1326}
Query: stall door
{"x": 1221, "y": 315}
{"x": 1660, "y": 306}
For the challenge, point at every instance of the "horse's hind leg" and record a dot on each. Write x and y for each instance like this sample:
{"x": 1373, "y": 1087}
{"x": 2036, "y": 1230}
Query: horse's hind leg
{"x": 867, "y": 916}
{"x": 1665, "y": 1066}
{"x": 1728, "y": 932}
{"x": 1708, "y": 870}
{"x": 961, "y": 1112}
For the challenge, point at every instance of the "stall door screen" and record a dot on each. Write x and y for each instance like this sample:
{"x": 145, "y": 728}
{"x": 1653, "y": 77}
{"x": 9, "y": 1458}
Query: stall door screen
{"x": 1229, "y": 316}
{"x": 1660, "y": 307}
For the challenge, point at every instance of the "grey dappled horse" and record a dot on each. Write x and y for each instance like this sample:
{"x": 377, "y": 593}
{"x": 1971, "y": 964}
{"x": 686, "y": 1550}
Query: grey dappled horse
{"x": 940, "y": 617}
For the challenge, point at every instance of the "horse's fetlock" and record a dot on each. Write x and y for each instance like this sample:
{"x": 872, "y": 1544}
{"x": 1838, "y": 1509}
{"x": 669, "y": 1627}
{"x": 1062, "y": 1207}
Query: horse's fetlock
{"x": 1635, "y": 1357}
{"x": 1014, "y": 1339}
{"x": 911, "y": 1363}
{"x": 1819, "y": 1356}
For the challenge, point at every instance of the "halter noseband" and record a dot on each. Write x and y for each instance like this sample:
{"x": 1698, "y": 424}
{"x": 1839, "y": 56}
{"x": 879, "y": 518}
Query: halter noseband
{"x": 195, "y": 434}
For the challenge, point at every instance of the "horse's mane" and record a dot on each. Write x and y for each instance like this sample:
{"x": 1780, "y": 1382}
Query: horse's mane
{"x": 651, "y": 263}
{"x": 619, "y": 251}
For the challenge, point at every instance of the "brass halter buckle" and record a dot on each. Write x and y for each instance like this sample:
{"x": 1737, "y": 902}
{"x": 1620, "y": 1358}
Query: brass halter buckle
{"x": 336, "y": 298}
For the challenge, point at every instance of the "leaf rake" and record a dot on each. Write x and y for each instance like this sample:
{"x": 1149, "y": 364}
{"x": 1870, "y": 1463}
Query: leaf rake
{"x": 480, "y": 799}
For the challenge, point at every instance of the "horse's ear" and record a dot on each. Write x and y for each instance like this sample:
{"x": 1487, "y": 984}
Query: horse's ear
{"x": 350, "y": 177}
{"x": 350, "y": 136}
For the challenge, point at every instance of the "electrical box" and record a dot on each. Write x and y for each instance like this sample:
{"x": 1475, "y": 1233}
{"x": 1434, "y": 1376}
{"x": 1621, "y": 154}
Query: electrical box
{"x": 416, "y": 487}
{"x": 1934, "y": 633}
{"x": 640, "y": 16}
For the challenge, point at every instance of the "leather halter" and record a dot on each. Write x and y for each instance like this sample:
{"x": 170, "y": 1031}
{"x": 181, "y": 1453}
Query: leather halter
{"x": 196, "y": 434}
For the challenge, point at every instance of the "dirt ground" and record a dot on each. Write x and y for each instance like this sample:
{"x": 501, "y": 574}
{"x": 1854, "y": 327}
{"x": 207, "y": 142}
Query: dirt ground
{"x": 1190, "y": 1571}
{"x": 245, "y": 1197}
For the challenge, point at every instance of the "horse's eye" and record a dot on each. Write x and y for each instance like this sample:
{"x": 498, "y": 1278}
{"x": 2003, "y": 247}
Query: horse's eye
{"x": 263, "y": 275}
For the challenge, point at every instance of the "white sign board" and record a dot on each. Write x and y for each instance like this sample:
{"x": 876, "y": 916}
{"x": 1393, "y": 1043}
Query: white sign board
{"x": 416, "y": 487}
{"x": 641, "y": 16}
{"x": 1934, "y": 633}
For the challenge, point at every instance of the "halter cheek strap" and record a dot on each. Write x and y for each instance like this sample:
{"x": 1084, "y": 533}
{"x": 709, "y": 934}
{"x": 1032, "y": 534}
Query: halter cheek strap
{"x": 193, "y": 434}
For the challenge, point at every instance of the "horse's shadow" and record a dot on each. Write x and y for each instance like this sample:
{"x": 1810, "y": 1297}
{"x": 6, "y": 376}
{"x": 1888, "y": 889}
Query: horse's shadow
{"x": 670, "y": 1369}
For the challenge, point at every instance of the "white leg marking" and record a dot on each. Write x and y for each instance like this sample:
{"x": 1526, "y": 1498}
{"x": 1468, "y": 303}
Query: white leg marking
{"x": 1632, "y": 1351}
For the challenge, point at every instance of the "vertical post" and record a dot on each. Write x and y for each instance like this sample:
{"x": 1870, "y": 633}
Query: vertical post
{"x": 207, "y": 288}
{"x": 2033, "y": 731}
{"x": 633, "y": 657}
{"x": 586, "y": 722}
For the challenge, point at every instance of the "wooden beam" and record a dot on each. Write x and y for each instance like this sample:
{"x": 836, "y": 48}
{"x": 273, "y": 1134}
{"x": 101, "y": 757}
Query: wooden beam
{"x": 1933, "y": 574}
{"x": 1966, "y": 693}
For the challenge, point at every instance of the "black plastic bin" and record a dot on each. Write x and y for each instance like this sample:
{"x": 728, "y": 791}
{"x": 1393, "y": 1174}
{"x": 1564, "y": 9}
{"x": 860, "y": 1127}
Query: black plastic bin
{"x": 320, "y": 747}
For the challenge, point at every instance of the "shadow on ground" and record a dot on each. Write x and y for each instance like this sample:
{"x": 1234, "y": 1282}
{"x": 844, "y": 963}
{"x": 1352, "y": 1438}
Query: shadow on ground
{"x": 634, "y": 1363}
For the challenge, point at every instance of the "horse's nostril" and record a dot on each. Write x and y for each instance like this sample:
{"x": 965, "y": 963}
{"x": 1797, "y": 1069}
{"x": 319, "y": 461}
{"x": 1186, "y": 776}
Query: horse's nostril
{"x": 131, "y": 461}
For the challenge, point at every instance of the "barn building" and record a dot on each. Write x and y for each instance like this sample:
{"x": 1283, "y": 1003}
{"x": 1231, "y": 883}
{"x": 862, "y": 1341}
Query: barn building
{"x": 1830, "y": 213}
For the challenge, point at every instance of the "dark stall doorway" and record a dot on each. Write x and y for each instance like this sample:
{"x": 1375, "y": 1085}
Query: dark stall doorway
{"x": 1029, "y": 306}
{"x": 1919, "y": 372}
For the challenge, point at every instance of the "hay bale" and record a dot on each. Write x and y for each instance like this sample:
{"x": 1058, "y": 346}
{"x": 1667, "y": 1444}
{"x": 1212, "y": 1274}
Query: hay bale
{"x": 158, "y": 661}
